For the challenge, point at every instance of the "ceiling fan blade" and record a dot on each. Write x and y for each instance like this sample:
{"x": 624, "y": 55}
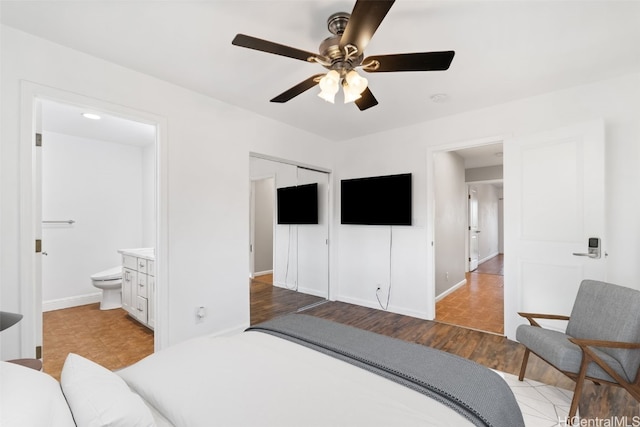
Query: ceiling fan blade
{"x": 271, "y": 47}
{"x": 425, "y": 61}
{"x": 363, "y": 23}
{"x": 298, "y": 89}
{"x": 366, "y": 100}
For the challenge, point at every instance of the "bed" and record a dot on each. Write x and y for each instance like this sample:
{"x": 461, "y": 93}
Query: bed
{"x": 296, "y": 370}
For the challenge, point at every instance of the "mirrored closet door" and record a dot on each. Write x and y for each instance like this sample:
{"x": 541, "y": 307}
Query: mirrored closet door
{"x": 298, "y": 199}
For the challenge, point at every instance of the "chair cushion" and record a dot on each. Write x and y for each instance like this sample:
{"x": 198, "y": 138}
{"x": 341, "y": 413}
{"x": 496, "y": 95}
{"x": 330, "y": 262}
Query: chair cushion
{"x": 604, "y": 311}
{"x": 555, "y": 348}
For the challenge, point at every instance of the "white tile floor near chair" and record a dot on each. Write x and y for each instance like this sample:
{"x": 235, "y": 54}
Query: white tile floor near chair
{"x": 542, "y": 405}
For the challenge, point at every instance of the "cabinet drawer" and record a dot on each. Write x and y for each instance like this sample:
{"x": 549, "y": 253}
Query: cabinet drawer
{"x": 151, "y": 267}
{"x": 141, "y": 309}
{"x": 142, "y": 285}
{"x": 142, "y": 265}
{"x": 129, "y": 261}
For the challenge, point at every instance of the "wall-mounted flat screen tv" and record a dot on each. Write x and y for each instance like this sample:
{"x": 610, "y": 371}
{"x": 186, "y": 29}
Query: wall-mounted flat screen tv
{"x": 379, "y": 200}
{"x": 298, "y": 205}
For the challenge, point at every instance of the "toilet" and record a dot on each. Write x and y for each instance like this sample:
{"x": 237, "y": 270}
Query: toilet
{"x": 110, "y": 281}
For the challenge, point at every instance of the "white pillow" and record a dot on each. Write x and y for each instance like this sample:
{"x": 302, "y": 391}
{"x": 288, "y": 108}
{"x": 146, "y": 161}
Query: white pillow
{"x": 31, "y": 398}
{"x": 98, "y": 397}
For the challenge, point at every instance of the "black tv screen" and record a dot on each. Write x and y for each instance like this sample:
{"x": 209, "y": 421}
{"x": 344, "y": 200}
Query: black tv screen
{"x": 298, "y": 205}
{"x": 379, "y": 200}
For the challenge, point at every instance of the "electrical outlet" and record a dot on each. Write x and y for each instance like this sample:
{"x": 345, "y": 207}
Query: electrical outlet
{"x": 446, "y": 276}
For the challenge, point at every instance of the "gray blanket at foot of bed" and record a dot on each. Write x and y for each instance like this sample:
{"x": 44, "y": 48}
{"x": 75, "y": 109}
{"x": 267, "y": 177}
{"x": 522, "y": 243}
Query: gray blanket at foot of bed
{"x": 474, "y": 391}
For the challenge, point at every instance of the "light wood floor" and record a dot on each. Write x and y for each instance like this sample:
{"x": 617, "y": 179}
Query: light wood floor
{"x": 488, "y": 349}
{"x": 479, "y": 304}
{"x": 108, "y": 337}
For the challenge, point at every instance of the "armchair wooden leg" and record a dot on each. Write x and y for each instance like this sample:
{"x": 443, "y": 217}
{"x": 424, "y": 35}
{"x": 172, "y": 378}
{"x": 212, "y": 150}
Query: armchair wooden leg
{"x": 577, "y": 392}
{"x": 525, "y": 360}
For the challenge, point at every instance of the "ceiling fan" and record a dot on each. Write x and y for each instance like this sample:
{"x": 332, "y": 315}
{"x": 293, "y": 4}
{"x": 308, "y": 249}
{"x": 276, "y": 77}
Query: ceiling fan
{"x": 343, "y": 53}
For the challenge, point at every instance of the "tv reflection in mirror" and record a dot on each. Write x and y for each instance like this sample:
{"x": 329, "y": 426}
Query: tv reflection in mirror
{"x": 298, "y": 204}
{"x": 378, "y": 200}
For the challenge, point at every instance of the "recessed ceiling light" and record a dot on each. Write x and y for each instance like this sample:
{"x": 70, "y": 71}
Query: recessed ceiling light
{"x": 439, "y": 97}
{"x": 91, "y": 116}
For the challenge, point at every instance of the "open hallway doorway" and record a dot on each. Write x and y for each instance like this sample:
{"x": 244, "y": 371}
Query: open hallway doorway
{"x": 468, "y": 236}
{"x": 479, "y": 303}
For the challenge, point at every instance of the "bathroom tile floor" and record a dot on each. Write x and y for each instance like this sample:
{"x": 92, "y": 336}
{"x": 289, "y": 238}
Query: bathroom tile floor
{"x": 108, "y": 337}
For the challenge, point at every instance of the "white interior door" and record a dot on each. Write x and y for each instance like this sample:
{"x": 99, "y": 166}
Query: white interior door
{"x": 473, "y": 229}
{"x": 554, "y": 203}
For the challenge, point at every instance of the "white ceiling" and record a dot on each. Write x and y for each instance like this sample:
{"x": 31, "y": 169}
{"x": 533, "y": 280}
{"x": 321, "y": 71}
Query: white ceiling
{"x": 69, "y": 120}
{"x": 481, "y": 156}
{"x": 505, "y": 50}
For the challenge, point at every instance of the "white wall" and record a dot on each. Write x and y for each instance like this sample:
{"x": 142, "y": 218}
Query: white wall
{"x": 488, "y": 223}
{"x": 204, "y": 148}
{"x": 616, "y": 100}
{"x": 264, "y": 200}
{"x": 148, "y": 198}
{"x": 487, "y": 173}
{"x": 362, "y": 261}
{"x": 99, "y": 185}
{"x": 451, "y": 209}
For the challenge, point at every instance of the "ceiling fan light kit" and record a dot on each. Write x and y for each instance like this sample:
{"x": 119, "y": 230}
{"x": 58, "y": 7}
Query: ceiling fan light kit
{"x": 329, "y": 86}
{"x": 343, "y": 52}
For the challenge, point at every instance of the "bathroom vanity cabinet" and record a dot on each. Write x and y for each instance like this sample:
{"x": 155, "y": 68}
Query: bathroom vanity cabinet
{"x": 139, "y": 284}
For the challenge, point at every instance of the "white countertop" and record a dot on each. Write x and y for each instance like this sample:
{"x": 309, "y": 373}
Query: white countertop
{"x": 146, "y": 253}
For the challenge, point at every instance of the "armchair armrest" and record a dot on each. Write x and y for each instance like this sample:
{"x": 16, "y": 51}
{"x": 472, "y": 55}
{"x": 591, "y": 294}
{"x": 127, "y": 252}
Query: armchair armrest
{"x": 601, "y": 343}
{"x": 531, "y": 316}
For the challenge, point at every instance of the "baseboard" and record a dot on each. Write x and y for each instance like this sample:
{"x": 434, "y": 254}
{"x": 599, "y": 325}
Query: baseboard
{"x": 487, "y": 258}
{"x": 260, "y": 273}
{"x": 314, "y": 292}
{"x": 68, "y": 302}
{"x": 289, "y": 286}
{"x": 451, "y": 289}
{"x": 308, "y": 291}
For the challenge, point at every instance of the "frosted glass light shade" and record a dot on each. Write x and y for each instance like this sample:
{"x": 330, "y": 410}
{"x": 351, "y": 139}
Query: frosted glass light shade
{"x": 329, "y": 86}
{"x": 350, "y": 94}
{"x": 356, "y": 82}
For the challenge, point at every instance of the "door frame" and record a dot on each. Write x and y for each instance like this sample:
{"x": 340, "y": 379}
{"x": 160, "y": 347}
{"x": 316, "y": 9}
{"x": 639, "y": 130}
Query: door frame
{"x": 471, "y": 188}
{"x": 30, "y": 284}
{"x": 252, "y": 221}
{"x": 431, "y": 186}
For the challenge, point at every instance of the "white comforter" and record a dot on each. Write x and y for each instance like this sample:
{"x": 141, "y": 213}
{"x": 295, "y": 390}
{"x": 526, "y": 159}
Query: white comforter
{"x": 255, "y": 379}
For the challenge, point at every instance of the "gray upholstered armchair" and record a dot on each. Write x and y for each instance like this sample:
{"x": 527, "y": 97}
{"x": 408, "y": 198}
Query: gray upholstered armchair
{"x": 601, "y": 342}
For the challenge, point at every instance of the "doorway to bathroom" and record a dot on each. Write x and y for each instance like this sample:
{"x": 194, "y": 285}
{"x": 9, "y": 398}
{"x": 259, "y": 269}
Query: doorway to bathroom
{"x": 98, "y": 196}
